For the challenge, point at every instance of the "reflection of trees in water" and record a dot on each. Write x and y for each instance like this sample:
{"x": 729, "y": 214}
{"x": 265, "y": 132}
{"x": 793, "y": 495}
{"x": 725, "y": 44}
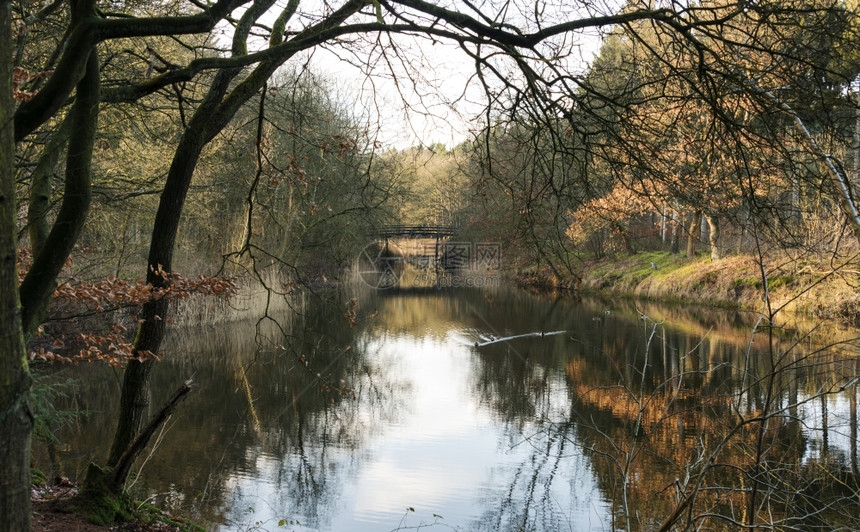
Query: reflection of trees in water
{"x": 313, "y": 430}
{"x": 297, "y": 376}
{"x": 591, "y": 406}
{"x": 531, "y": 501}
{"x": 523, "y": 382}
{"x": 691, "y": 427}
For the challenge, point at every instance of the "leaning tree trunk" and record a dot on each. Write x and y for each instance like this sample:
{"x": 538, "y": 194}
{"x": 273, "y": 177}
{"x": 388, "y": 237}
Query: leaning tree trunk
{"x": 214, "y": 113}
{"x": 134, "y": 400}
{"x": 16, "y": 423}
{"x": 204, "y": 124}
{"x": 842, "y": 186}
{"x": 104, "y": 488}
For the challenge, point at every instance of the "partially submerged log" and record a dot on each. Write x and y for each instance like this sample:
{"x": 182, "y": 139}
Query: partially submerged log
{"x": 494, "y": 340}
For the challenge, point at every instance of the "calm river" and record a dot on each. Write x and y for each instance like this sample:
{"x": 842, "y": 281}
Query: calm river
{"x": 477, "y": 410}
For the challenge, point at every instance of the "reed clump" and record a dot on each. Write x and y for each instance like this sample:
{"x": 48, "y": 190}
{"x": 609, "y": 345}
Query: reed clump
{"x": 268, "y": 293}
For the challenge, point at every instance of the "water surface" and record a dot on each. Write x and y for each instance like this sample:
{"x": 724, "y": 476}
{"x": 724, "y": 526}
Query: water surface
{"x": 464, "y": 410}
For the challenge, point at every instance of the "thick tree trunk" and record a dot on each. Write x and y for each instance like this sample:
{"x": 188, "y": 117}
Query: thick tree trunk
{"x": 693, "y": 232}
{"x": 16, "y": 423}
{"x": 714, "y": 236}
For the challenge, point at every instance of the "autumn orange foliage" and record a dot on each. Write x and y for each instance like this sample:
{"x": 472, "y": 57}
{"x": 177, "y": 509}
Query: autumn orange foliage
{"x": 85, "y": 298}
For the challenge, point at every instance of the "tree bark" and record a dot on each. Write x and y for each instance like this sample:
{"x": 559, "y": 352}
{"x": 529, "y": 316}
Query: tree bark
{"x": 624, "y": 235}
{"x": 714, "y": 236}
{"x": 692, "y": 233}
{"x": 38, "y": 225}
{"x": 16, "y": 422}
{"x": 38, "y": 285}
{"x": 675, "y": 244}
{"x": 664, "y": 225}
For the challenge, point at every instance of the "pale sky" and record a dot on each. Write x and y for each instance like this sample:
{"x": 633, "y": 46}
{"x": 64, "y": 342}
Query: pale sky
{"x": 444, "y": 104}
{"x": 432, "y": 116}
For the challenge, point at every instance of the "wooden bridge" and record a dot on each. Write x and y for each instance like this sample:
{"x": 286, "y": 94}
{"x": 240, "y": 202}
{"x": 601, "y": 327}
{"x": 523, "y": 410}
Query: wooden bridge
{"x": 410, "y": 256}
{"x": 425, "y": 257}
{"x": 415, "y": 231}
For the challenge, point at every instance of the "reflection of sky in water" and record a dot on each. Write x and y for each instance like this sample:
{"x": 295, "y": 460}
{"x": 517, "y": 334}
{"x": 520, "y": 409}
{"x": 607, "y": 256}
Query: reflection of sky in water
{"x": 443, "y": 453}
{"x": 836, "y": 411}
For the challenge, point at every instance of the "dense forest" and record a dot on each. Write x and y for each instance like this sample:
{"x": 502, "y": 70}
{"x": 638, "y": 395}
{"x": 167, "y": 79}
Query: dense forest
{"x": 157, "y": 151}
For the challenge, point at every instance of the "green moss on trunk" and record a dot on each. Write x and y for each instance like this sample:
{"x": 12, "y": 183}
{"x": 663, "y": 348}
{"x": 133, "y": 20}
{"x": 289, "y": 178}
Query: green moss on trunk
{"x": 100, "y": 501}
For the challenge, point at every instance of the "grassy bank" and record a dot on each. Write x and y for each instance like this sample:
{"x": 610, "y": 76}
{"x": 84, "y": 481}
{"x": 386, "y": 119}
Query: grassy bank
{"x": 800, "y": 287}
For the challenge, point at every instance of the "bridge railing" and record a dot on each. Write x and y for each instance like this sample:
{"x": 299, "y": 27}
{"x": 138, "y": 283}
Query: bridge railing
{"x": 415, "y": 231}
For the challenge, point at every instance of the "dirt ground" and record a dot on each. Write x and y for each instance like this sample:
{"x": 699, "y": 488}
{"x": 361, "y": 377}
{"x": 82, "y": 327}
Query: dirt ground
{"x": 49, "y": 514}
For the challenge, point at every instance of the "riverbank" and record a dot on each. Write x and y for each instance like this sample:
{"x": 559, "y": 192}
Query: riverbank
{"x": 795, "y": 287}
{"x": 52, "y": 513}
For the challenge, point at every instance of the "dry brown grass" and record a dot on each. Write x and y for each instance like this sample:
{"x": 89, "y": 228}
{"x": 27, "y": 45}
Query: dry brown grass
{"x": 816, "y": 290}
